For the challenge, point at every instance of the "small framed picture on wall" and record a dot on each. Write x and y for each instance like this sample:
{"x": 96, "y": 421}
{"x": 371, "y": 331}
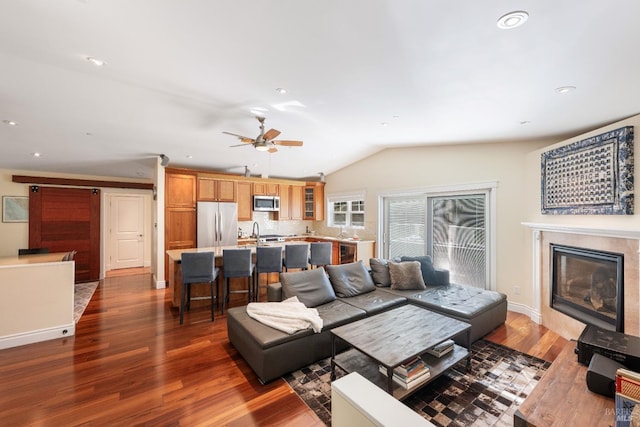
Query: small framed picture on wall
{"x": 15, "y": 209}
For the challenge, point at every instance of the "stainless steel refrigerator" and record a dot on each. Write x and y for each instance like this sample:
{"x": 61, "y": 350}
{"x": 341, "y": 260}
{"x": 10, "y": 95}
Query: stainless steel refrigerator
{"x": 217, "y": 224}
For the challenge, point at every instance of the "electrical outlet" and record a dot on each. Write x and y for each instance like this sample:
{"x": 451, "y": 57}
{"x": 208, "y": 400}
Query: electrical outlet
{"x": 516, "y": 290}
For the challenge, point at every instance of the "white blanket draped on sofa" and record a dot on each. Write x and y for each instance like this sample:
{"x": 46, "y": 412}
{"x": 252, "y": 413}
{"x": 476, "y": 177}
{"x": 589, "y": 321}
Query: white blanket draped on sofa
{"x": 287, "y": 316}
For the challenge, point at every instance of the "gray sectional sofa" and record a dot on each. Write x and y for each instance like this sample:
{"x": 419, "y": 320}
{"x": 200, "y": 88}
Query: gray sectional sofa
{"x": 349, "y": 292}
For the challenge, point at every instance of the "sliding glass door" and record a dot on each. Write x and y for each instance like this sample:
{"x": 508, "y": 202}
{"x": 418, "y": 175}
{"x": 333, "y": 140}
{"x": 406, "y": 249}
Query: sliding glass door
{"x": 451, "y": 228}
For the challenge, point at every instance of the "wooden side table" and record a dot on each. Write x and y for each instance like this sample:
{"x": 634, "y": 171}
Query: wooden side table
{"x": 562, "y": 398}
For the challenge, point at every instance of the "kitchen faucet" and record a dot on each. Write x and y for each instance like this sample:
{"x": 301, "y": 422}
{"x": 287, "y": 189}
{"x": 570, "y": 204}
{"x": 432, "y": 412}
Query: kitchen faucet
{"x": 256, "y": 232}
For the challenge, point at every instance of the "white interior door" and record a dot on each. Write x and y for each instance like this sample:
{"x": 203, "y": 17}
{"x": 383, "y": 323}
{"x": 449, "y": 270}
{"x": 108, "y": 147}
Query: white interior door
{"x": 127, "y": 231}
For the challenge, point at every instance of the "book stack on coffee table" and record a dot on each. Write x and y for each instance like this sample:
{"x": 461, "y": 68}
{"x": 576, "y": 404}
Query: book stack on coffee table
{"x": 410, "y": 373}
{"x": 441, "y": 349}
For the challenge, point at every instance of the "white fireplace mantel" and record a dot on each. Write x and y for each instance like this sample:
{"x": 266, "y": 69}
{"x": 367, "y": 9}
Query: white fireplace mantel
{"x": 603, "y": 232}
{"x": 621, "y": 240}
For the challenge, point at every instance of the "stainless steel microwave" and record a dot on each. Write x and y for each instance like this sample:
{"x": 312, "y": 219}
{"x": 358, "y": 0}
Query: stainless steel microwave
{"x": 266, "y": 203}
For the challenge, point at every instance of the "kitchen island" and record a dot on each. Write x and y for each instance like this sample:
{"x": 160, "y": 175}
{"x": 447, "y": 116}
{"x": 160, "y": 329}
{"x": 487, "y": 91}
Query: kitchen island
{"x": 361, "y": 250}
{"x": 198, "y": 290}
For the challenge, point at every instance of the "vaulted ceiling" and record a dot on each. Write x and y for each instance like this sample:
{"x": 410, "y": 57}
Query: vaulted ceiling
{"x": 359, "y": 76}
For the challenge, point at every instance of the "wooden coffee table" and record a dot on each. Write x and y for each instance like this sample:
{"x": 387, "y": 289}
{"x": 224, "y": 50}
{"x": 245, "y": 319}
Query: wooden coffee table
{"x": 394, "y": 337}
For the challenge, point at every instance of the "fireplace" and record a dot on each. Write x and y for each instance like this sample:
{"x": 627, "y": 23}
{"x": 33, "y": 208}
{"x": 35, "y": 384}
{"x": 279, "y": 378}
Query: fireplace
{"x": 588, "y": 285}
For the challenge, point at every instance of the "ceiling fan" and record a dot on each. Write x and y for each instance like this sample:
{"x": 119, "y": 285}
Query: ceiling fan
{"x": 265, "y": 140}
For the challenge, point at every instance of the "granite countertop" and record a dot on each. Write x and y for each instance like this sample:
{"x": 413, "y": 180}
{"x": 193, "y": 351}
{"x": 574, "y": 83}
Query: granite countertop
{"x": 305, "y": 236}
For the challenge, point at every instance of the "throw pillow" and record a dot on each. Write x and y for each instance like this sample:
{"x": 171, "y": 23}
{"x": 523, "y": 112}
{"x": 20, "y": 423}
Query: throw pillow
{"x": 380, "y": 272}
{"x": 349, "y": 280}
{"x": 426, "y": 266}
{"x": 312, "y": 287}
{"x": 406, "y": 275}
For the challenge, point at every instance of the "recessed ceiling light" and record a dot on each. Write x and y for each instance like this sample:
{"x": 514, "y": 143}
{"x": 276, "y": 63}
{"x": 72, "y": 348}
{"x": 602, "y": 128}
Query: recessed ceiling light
{"x": 95, "y": 61}
{"x": 189, "y": 156}
{"x": 565, "y": 89}
{"x": 36, "y": 154}
{"x": 512, "y": 20}
{"x": 10, "y": 122}
{"x": 281, "y": 90}
{"x": 384, "y": 124}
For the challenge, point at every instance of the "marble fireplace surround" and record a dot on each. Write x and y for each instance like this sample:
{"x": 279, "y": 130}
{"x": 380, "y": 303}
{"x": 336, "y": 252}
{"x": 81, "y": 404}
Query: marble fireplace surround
{"x": 626, "y": 242}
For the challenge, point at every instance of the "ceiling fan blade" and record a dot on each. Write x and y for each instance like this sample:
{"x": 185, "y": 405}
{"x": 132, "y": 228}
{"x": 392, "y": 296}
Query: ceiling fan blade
{"x": 286, "y": 143}
{"x": 247, "y": 140}
{"x": 238, "y": 145}
{"x": 238, "y": 136}
{"x": 271, "y": 133}
{"x": 272, "y": 150}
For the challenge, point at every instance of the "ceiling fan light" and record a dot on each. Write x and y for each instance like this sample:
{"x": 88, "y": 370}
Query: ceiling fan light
{"x": 261, "y": 146}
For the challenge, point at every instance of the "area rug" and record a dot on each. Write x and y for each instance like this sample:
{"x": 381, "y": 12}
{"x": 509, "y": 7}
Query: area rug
{"x": 499, "y": 380}
{"x": 81, "y": 297}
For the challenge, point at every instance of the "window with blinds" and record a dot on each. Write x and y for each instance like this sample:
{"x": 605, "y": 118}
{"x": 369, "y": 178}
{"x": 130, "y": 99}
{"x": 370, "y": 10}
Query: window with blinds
{"x": 452, "y": 229}
{"x": 405, "y": 220}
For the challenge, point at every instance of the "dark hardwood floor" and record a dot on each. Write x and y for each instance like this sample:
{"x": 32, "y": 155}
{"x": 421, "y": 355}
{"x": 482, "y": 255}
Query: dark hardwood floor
{"x": 131, "y": 363}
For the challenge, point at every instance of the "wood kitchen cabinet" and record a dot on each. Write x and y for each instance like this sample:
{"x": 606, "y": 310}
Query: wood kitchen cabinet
{"x": 285, "y": 203}
{"x": 179, "y": 213}
{"x": 216, "y": 190}
{"x": 180, "y": 191}
{"x": 245, "y": 205}
{"x": 290, "y": 202}
{"x": 266, "y": 189}
{"x": 296, "y": 202}
{"x": 314, "y": 201}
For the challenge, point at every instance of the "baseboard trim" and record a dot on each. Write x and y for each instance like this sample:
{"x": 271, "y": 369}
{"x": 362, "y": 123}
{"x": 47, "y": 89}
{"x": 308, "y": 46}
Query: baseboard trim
{"x": 37, "y": 336}
{"x": 160, "y": 284}
{"x": 526, "y": 310}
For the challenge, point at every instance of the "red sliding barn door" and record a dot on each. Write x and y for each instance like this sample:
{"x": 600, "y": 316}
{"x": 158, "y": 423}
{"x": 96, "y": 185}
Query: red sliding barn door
{"x": 67, "y": 219}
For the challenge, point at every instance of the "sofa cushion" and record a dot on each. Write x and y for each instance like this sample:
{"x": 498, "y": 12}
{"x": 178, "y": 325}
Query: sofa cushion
{"x": 337, "y": 313}
{"x": 376, "y": 301}
{"x": 406, "y": 275}
{"x": 264, "y": 336}
{"x": 312, "y": 287}
{"x": 426, "y": 266}
{"x": 351, "y": 279}
{"x": 465, "y": 302}
{"x": 380, "y": 272}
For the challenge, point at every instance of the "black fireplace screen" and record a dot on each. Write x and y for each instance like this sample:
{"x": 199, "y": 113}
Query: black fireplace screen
{"x": 588, "y": 286}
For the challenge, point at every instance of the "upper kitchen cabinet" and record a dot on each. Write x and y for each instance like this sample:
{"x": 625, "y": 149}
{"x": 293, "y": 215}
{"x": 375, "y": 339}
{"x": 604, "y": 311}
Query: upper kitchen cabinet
{"x": 285, "y": 203}
{"x": 296, "y": 200}
{"x": 266, "y": 189}
{"x": 314, "y": 201}
{"x": 216, "y": 190}
{"x": 245, "y": 205}
{"x": 290, "y": 202}
{"x": 180, "y": 190}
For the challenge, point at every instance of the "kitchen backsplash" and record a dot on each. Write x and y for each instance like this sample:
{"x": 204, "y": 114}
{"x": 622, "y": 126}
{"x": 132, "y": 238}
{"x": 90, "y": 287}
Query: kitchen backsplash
{"x": 270, "y": 226}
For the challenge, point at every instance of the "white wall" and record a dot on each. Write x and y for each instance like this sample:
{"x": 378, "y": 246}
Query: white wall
{"x": 15, "y": 235}
{"x": 422, "y": 167}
